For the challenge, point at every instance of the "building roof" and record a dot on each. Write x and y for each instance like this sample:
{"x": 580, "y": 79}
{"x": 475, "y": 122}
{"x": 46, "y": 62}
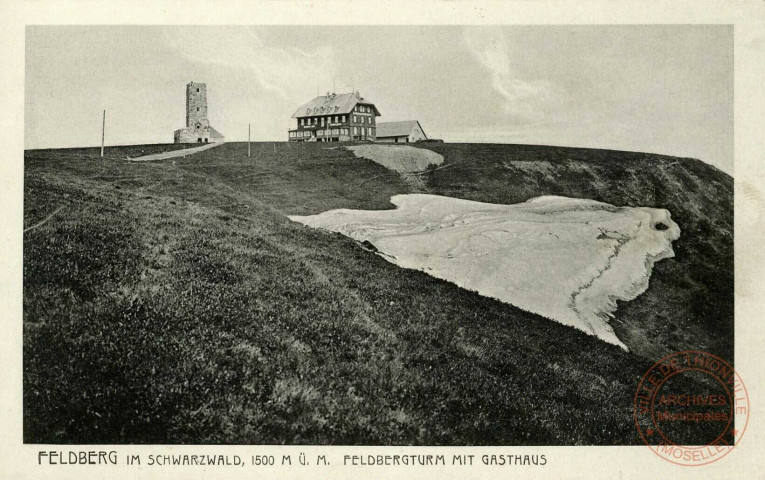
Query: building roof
{"x": 397, "y": 129}
{"x": 334, "y": 103}
{"x": 215, "y": 134}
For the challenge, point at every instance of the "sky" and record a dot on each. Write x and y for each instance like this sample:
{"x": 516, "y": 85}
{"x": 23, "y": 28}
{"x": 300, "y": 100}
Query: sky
{"x": 662, "y": 89}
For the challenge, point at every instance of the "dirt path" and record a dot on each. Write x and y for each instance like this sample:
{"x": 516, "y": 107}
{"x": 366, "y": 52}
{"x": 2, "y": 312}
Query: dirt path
{"x": 401, "y": 158}
{"x": 409, "y": 162}
{"x": 175, "y": 153}
{"x": 44, "y": 220}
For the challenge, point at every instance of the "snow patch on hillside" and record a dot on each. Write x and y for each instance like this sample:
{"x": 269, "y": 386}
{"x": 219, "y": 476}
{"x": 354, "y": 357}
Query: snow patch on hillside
{"x": 564, "y": 258}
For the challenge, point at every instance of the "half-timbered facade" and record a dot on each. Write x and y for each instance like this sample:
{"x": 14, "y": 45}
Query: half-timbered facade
{"x": 335, "y": 117}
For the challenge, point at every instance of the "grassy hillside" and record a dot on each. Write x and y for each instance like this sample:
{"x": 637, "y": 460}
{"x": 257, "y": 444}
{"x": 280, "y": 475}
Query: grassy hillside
{"x": 174, "y": 302}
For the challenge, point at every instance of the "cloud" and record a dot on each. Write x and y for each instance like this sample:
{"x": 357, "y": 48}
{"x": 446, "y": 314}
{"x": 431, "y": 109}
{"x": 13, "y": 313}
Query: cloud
{"x": 285, "y": 71}
{"x": 526, "y": 100}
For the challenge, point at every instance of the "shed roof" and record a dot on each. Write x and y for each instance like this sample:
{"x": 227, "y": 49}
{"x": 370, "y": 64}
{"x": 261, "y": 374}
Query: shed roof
{"x": 215, "y": 134}
{"x": 331, "y": 104}
{"x": 397, "y": 129}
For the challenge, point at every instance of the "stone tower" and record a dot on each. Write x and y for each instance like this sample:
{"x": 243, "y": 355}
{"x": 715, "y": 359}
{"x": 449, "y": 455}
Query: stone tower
{"x": 196, "y": 105}
{"x": 198, "y": 129}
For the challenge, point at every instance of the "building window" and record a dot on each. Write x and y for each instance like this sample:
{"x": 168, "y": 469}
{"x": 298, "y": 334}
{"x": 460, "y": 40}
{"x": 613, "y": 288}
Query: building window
{"x": 197, "y": 90}
{"x": 322, "y": 121}
{"x": 364, "y": 131}
{"x": 343, "y": 118}
{"x": 197, "y": 109}
{"x": 355, "y": 130}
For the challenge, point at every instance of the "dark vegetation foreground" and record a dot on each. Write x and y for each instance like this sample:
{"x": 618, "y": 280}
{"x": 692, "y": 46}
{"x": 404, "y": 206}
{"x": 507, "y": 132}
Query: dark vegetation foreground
{"x": 174, "y": 302}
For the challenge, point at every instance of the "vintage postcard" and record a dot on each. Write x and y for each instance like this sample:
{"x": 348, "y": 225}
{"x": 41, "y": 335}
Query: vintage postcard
{"x": 356, "y": 240}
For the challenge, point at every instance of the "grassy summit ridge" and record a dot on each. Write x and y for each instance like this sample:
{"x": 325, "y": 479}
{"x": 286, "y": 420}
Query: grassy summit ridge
{"x": 174, "y": 302}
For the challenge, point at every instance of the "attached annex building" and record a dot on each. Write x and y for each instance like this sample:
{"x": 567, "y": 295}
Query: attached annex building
{"x": 335, "y": 117}
{"x": 198, "y": 129}
{"x": 400, "y": 132}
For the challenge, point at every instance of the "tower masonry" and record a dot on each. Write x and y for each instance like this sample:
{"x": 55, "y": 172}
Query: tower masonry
{"x": 198, "y": 129}
{"x": 196, "y": 105}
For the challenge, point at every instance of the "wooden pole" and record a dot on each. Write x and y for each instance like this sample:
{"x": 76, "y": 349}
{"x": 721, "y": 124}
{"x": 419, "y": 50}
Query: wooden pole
{"x": 103, "y": 133}
{"x": 248, "y": 141}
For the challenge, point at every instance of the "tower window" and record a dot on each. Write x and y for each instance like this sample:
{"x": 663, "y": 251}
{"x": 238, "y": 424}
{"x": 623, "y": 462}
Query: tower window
{"x": 197, "y": 90}
{"x": 197, "y": 109}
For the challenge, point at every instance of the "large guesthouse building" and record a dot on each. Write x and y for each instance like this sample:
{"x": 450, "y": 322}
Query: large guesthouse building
{"x": 335, "y": 117}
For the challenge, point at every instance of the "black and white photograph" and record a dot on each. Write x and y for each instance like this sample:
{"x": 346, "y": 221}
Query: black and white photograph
{"x": 410, "y": 237}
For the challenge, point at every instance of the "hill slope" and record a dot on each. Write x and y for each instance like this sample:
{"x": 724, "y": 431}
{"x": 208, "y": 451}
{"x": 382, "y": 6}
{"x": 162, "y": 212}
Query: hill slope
{"x": 175, "y": 302}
